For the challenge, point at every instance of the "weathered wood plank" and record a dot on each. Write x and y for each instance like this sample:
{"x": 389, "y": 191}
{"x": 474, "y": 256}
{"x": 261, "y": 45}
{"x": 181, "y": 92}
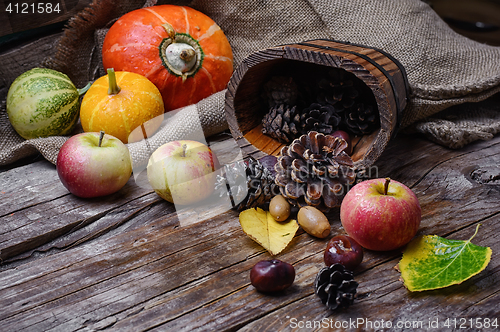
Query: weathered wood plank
{"x": 31, "y": 226}
{"x": 148, "y": 256}
{"x": 36, "y": 208}
{"x": 155, "y": 274}
{"x": 27, "y": 186}
{"x": 382, "y": 297}
{"x": 140, "y": 210}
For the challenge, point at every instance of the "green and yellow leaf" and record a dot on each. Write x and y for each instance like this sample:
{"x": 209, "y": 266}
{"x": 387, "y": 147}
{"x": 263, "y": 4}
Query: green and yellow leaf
{"x": 432, "y": 262}
{"x": 261, "y": 227}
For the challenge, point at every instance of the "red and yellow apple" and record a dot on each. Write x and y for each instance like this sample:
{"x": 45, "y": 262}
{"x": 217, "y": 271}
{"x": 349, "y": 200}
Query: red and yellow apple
{"x": 93, "y": 164}
{"x": 183, "y": 172}
{"x": 380, "y": 214}
{"x": 346, "y": 137}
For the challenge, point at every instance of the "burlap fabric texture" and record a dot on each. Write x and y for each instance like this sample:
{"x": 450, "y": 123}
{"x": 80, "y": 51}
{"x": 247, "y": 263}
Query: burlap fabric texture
{"x": 444, "y": 68}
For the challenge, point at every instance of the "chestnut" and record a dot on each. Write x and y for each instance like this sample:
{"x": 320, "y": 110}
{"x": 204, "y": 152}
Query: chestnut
{"x": 344, "y": 250}
{"x": 272, "y": 275}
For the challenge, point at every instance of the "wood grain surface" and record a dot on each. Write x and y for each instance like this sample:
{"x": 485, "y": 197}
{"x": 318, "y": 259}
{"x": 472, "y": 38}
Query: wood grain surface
{"x": 131, "y": 262}
{"x": 125, "y": 263}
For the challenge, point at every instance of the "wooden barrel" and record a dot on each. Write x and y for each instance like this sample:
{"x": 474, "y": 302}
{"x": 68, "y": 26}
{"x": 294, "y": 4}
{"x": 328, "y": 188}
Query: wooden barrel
{"x": 381, "y": 73}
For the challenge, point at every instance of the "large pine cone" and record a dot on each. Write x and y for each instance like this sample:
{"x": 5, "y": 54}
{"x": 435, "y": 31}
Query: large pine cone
{"x": 335, "y": 286}
{"x": 315, "y": 170}
{"x": 281, "y": 123}
{"x": 280, "y": 90}
{"x": 348, "y": 97}
{"x": 321, "y": 118}
{"x": 338, "y": 90}
{"x": 247, "y": 184}
{"x": 362, "y": 119}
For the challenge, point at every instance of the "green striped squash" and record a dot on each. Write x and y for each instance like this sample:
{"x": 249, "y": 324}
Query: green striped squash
{"x": 43, "y": 102}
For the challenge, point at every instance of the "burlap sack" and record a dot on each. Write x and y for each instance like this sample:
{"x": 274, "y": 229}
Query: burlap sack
{"x": 443, "y": 67}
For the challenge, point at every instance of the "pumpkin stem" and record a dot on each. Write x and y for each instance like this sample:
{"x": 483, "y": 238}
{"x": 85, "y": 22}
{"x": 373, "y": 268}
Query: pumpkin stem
{"x": 84, "y": 89}
{"x": 180, "y": 57}
{"x": 101, "y": 136}
{"x": 180, "y": 53}
{"x": 187, "y": 54}
{"x": 113, "y": 88}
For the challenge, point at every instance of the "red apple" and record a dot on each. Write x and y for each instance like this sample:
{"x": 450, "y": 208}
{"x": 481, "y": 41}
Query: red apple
{"x": 380, "y": 214}
{"x": 90, "y": 165}
{"x": 344, "y": 135}
{"x": 182, "y": 172}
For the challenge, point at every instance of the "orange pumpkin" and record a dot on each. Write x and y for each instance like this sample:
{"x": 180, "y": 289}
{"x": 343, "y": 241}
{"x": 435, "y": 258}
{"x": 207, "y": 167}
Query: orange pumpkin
{"x": 122, "y": 104}
{"x": 181, "y": 50}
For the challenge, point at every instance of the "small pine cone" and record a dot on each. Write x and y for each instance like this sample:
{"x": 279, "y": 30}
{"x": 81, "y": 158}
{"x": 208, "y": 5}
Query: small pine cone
{"x": 335, "y": 286}
{"x": 321, "y": 118}
{"x": 338, "y": 89}
{"x": 362, "y": 119}
{"x": 281, "y": 123}
{"x": 247, "y": 184}
{"x": 280, "y": 90}
{"x": 315, "y": 170}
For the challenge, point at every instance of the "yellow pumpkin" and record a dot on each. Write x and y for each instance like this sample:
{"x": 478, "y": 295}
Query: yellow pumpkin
{"x": 120, "y": 104}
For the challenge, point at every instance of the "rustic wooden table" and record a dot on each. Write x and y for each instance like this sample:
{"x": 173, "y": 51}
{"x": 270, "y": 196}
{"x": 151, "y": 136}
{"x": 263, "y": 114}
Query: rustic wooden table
{"x": 125, "y": 263}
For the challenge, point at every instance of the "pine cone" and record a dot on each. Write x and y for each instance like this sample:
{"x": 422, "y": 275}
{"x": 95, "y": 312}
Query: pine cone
{"x": 321, "y": 118}
{"x": 338, "y": 90}
{"x": 247, "y": 184}
{"x": 280, "y": 90}
{"x": 362, "y": 119}
{"x": 315, "y": 170}
{"x": 281, "y": 123}
{"x": 335, "y": 286}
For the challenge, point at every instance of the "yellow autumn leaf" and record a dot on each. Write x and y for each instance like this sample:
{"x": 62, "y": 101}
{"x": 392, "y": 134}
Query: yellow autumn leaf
{"x": 261, "y": 227}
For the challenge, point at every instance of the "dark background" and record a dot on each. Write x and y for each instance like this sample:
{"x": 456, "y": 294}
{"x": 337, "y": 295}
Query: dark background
{"x": 476, "y": 19}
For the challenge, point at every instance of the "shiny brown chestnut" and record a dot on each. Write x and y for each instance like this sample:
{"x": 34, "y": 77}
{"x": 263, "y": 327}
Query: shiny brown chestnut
{"x": 344, "y": 250}
{"x": 272, "y": 275}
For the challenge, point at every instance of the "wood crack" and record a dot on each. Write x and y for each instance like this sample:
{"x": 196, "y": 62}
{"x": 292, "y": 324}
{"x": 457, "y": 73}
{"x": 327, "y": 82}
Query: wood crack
{"x": 32, "y": 205}
{"x": 73, "y": 229}
{"x": 479, "y": 221}
{"x": 445, "y": 161}
{"x": 207, "y": 277}
{"x": 136, "y": 268}
{"x": 132, "y": 280}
